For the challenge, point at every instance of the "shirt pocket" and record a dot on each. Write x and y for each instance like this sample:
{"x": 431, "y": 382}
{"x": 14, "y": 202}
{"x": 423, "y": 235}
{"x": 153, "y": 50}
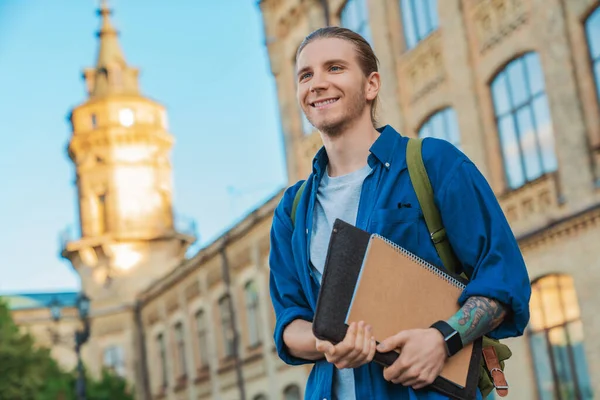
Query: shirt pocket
{"x": 400, "y": 225}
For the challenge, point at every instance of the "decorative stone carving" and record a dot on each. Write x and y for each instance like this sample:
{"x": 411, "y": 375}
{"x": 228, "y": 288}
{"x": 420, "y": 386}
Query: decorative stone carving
{"x": 495, "y": 19}
{"x": 192, "y": 290}
{"x": 172, "y": 304}
{"x": 423, "y": 67}
{"x": 531, "y": 201}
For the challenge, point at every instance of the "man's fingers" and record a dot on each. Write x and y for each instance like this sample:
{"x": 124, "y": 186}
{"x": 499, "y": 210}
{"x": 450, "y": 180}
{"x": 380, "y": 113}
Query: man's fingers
{"x": 372, "y": 348}
{"x": 325, "y": 347}
{"x": 393, "y": 342}
{"x": 365, "y": 345}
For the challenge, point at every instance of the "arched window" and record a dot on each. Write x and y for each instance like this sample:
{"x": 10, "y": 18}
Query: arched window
{"x": 442, "y": 125}
{"x": 260, "y": 397}
{"x": 523, "y": 120}
{"x": 420, "y": 18}
{"x": 162, "y": 355}
{"x": 592, "y": 29}
{"x": 226, "y": 325}
{"x": 252, "y": 313}
{"x": 180, "y": 349}
{"x": 202, "y": 335}
{"x": 556, "y": 339}
{"x": 292, "y": 392}
{"x": 355, "y": 16}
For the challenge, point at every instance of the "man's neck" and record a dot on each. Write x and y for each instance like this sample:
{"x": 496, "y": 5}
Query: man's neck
{"x": 348, "y": 151}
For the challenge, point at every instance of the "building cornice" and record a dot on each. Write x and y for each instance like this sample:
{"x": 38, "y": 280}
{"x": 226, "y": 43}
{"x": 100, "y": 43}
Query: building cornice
{"x": 566, "y": 226}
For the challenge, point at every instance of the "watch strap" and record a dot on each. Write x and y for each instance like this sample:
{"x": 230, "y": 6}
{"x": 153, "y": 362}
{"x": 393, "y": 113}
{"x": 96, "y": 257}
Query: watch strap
{"x": 451, "y": 337}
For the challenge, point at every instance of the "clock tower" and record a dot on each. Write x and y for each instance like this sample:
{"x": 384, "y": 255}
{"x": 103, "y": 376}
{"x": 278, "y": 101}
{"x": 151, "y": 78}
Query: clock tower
{"x": 120, "y": 147}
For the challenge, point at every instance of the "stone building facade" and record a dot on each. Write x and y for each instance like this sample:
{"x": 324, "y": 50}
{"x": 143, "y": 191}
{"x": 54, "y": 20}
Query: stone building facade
{"x": 515, "y": 84}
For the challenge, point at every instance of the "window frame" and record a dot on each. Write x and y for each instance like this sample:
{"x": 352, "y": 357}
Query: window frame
{"x": 202, "y": 338}
{"x": 179, "y": 333}
{"x": 502, "y": 74}
{"x": 594, "y": 16}
{"x": 563, "y": 284}
{"x": 409, "y": 12}
{"x": 227, "y": 328}
{"x": 448, "y": 115}
{"x": 358, "y": 9}
{"x": 253, "y": 313}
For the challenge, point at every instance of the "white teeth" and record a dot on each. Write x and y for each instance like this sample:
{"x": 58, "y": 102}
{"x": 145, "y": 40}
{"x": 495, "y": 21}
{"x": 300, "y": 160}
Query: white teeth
{"x": 324, "y": 103}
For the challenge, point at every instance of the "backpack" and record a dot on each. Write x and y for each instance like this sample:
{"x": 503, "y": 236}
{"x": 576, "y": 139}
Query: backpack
{"x": 424, "y": 192}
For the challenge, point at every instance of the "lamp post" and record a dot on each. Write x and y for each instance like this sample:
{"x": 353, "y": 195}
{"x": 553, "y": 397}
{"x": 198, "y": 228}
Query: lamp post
{"x": 81, "y": 336}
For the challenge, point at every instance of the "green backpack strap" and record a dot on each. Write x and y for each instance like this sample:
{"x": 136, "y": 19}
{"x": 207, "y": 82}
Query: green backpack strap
{"x": 424, "y": 191}
{"x": 433, "y": 219}
{"x": 296, "y": 201}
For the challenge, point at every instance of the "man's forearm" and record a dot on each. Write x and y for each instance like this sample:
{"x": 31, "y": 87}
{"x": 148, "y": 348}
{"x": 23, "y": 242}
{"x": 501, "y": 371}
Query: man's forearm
{"x": 478, "y": 316}
{"x": 300, "y": 340}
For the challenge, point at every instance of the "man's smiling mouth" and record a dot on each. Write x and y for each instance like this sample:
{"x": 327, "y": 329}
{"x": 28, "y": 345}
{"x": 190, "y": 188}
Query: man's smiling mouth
{"x": 323, "y": 103}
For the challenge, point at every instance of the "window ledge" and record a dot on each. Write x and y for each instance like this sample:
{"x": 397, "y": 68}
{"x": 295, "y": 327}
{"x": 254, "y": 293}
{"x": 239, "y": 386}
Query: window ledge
{"x": 202, "y": 374}
{"x": 532, "y": 203}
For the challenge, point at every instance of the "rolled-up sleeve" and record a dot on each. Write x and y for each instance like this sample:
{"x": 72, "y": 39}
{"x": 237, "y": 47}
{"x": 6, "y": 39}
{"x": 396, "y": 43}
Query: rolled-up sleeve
{"x": 287, "y": 295}
{"x": 486, "y": 246}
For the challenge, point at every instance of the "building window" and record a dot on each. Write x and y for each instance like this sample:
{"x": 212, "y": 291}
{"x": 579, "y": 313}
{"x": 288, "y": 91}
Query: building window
{"x": 227, "y": 325}
{"x": 114, "y": 360}
{"x": 292, "y": 392}
{"x": 523, "y": 120}
{"x": 556, "y": 340}
{"x": 94, "y": 121}
{"x": 592, "y": 29}
{"x": 442, "y": 125}
{"x": 180, "y": 343}
{"x": 252, "y": 313}
{"x": 102, "y": 214}
{"x": 201, "y": 331}
{"x": 260, "y": 397}
{"x": 162, "y": 350}
{"x": 355, "y": 16}
{"x": 420, "y": 18}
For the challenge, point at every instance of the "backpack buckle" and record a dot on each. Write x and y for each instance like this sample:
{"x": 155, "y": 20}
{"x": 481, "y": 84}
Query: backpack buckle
{"x": 438, "y": 236}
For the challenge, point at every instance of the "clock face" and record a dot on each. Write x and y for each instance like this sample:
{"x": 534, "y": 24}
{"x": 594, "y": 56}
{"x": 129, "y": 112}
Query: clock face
{"x": 126, "y": 117}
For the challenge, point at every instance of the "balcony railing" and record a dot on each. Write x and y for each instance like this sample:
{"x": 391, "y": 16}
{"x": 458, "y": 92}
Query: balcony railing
{"x": 133, "y": 230}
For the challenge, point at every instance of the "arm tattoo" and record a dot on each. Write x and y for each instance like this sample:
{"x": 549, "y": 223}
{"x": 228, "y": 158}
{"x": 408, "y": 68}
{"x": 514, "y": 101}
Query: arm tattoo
{"x": 478, "y": 316}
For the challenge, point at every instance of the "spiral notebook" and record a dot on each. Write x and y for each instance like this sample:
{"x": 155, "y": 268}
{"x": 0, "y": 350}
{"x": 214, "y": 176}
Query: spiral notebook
{"x": 369, "y": 278}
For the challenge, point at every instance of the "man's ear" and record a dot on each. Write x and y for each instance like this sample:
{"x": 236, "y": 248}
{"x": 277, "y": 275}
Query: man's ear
{"x": 373, "y": 86}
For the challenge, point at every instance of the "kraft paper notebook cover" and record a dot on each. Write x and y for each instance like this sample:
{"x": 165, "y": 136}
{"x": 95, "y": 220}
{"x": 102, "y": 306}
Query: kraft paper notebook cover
{"x": 369, "y": 278}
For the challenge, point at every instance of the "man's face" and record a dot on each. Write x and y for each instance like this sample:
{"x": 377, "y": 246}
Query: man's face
{"x": 331, "y": 85}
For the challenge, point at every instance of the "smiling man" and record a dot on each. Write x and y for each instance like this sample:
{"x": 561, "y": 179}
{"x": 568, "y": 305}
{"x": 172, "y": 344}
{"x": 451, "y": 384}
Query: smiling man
{"x": 360, "y": 176}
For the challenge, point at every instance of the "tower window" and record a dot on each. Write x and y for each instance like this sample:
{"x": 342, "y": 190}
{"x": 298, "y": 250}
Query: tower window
{"x": 102, "y": 214}
{"x": 94, "y": 121}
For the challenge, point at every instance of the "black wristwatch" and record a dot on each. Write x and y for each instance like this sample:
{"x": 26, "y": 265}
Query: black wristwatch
{"x": 451, "y": 337}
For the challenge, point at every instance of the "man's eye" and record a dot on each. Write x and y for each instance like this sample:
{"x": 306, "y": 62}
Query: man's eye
{"x": 305, "y": 76}
{"x": 335, "y": 68}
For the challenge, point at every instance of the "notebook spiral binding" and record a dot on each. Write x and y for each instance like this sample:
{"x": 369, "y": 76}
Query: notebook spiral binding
{"x": 430, "y": 267}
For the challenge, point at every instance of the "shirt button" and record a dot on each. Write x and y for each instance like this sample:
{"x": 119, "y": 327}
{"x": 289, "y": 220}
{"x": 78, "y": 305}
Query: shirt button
{"x": 387, "y": 164}
{"x": 307, "y": 231}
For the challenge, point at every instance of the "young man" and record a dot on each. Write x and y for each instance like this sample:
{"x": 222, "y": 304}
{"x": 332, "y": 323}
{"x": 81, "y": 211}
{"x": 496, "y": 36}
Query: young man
{"x": 361, "y": 177}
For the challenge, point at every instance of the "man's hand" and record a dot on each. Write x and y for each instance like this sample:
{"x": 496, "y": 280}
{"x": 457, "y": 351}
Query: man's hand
{"x": 357, "y": 348}
{"x": 422, "y": 357}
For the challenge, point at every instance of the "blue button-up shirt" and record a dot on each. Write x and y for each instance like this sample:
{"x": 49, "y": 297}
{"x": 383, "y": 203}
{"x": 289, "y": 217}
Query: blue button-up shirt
{"x": 476, "y": 228}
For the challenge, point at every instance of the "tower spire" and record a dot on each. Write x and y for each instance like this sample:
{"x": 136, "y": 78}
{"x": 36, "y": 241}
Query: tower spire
{"x": 110, "y": 52}
{"x": 111, "y": 75}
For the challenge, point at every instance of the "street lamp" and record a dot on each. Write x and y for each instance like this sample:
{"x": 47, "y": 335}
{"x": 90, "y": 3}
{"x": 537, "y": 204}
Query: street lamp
{"x": 81, "y": 336}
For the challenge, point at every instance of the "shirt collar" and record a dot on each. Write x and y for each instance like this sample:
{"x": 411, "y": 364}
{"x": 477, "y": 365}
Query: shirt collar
{"x": 383, "y": 150}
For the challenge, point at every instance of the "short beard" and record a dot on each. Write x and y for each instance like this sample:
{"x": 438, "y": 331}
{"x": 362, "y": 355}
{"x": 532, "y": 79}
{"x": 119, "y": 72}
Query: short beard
{"x": 355, "y": 108}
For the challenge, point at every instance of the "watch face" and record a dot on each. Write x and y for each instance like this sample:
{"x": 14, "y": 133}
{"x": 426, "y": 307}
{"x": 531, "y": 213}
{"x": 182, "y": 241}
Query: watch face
{"x": 126, "y": 117}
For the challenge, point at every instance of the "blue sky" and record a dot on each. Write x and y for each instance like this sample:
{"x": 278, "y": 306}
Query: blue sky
{"x": 204, "y": 60}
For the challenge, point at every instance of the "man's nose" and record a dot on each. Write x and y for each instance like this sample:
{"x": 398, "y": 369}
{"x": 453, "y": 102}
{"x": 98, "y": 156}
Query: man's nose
{"x": 318, "y": 83}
